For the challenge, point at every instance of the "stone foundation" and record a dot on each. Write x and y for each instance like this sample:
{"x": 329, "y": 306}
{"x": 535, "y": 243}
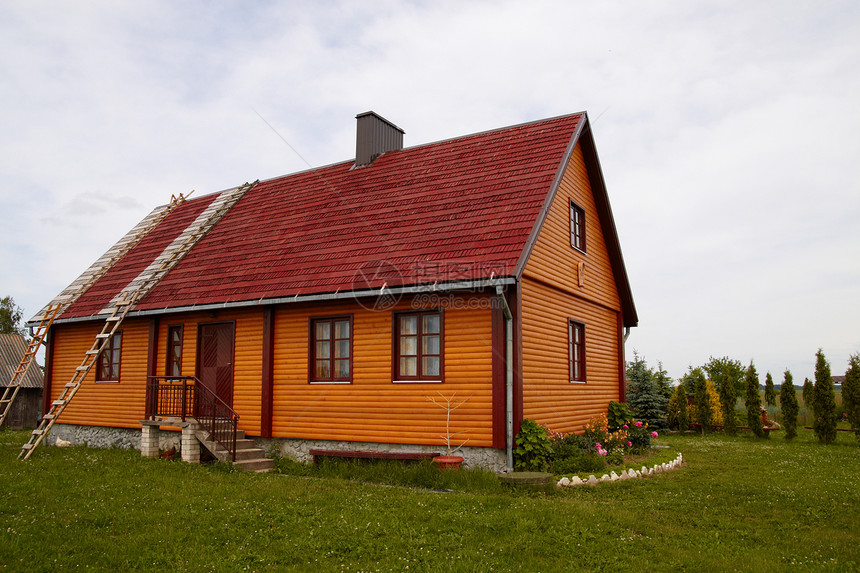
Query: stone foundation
{"x": 296, "y": 449}
{"x": 145, "y": 441}
{"x": 106, "y": 437}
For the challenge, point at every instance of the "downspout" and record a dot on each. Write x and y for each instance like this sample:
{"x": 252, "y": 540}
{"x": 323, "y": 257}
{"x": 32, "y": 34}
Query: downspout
{"x": 626, "y": 333}
{"x": 509, "y": 380}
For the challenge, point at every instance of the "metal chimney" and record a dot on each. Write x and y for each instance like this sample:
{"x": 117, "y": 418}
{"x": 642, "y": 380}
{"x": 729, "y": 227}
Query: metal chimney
{"x": 374, "y": 136}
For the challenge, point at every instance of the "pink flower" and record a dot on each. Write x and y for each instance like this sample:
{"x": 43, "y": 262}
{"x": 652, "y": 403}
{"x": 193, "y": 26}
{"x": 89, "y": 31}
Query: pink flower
{"x": 629, "y": 444}
{"x": 638, "y": 424}
{"x": 653, "y": 434}
{"x": 624, "y": 426}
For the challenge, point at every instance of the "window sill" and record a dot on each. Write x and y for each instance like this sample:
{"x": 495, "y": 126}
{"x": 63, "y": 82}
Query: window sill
{"x": 417, "y": 381}
{"x": 578, "y": 382}
{"x": 330, "y": 382}
{"x": 107, "y": 381}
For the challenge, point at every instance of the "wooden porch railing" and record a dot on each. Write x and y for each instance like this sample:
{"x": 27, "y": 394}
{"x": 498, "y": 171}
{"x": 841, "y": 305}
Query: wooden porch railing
{"x": 186, "y": 397}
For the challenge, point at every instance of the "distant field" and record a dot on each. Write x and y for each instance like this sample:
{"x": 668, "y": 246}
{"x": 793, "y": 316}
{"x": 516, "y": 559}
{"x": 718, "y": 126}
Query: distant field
{"x": 739, "y": 504}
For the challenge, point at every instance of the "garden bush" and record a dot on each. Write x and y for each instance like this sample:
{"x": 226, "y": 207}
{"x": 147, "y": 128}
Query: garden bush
{"x": 534, "y": 451}
{"x": 619, "y": 414}
{"x": 572, "y": 459}
{"x": 597, "y": 446}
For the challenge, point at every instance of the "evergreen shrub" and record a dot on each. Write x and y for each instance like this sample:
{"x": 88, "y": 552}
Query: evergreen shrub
{"x": 851, "y": 393}
{"x": 677, "y": 414}
{"x": 753, "y": 402}
{"x": 824, "y": 401}
{"x": 788, "y": 403}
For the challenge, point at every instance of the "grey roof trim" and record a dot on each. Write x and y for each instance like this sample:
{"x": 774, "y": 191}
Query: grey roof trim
{"x": 318, "y": 297}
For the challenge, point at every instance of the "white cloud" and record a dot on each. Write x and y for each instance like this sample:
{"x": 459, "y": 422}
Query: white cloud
{"x": 728, "y": 134}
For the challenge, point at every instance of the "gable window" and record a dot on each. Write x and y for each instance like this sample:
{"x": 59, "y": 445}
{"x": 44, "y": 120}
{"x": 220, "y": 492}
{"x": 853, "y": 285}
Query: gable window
{"x": 107, "y": 366}
{"x": 576, "y": 350}
{"x": 577, "y": 227}
{"x": 418, "y": 347}
{"x": 174, "y": 350}
{"x": 331, "y": 349}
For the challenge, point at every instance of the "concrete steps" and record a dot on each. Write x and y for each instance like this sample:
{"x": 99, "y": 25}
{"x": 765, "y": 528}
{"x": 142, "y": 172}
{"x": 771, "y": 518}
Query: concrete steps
{"x": 248, "y": 456}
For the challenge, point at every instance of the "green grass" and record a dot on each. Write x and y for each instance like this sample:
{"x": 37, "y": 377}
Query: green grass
{"x": 422, "y": 474}
{"x": 738, "y": 504}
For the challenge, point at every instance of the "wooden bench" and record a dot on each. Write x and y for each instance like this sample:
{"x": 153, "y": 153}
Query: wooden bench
{"x": 373, "y": 455}
{"x": 765, "y": 428}
{"x": 837, "y": 429}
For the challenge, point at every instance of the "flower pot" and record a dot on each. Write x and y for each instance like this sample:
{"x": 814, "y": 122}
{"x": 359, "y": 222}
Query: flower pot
{"x": 448, "y": 462}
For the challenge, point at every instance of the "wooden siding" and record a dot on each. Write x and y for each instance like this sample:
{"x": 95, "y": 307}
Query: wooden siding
{"x": 548, "y": 395}
{"x": 373, "y": 408}
{"x": 118, "y": 404}
{"x": 554, "y": 261}
{"x": 247, "y": 357}
{"x": 553, "y": 293}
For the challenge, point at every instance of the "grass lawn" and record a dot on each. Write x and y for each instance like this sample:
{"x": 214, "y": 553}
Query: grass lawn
{"x": 738, "y": 504}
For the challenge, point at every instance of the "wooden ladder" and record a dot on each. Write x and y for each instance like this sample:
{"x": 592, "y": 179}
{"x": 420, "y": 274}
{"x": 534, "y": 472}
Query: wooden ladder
{"x": 125, "y": 301}
{"x": 120, "y": 309}
{"x": 27, "y": 360}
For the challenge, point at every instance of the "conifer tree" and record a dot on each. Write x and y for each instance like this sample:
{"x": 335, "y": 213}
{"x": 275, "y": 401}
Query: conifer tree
{"x": 808, "y": 393}
{"x": 753, "y": 402}
{"x": 703, "y": 405}
{"x": 643, "y": 397}
{"x": 769, "y": 391}
{"x": 678, "y": 406}
{"x": 728, "y": 398}
{"x": 663, "y": 381}
{"x": 825, "y": 401}
{"x": 788, "y": 403}
{"x": 716, "y": 407}
{"x": 851, "y": 393}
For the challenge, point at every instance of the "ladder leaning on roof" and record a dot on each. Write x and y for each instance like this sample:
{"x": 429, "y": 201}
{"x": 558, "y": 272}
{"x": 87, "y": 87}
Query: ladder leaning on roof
{"x": 27, "y": 360}
{"x": 61, "y": 303}
{"x": 119, "y": 307}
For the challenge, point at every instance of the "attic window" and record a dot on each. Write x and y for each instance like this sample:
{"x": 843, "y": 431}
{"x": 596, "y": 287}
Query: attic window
{"x": 577, "y": 227}
{"x": 107, "y": 367}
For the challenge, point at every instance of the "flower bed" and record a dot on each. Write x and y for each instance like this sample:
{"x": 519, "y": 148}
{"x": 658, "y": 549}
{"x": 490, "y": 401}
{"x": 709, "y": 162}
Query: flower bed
{"x": 625, "y": 475}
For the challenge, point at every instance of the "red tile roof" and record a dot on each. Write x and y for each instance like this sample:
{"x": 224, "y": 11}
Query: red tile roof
{"x": 461, "y": 208}
{"x": 125, "y": 270}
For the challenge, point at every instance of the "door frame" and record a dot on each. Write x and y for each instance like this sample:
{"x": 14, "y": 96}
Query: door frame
{"x": 198, "y": 357}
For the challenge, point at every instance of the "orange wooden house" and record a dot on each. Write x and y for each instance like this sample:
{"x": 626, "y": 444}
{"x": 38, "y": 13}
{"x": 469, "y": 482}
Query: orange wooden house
{"x": 327, "y": 307}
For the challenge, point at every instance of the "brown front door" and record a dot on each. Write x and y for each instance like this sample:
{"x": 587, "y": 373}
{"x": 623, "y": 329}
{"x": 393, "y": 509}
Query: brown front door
{"x": 215, "y": 358}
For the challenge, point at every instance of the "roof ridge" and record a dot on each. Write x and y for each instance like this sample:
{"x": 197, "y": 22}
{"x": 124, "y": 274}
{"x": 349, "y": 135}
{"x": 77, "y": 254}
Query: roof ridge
{"x": 350, "y": 162}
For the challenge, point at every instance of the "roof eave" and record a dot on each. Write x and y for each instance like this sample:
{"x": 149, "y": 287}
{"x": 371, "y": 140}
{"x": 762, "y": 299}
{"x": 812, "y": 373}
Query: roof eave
{"x": 610, "y": 232}
{"x": 448, "y": 287}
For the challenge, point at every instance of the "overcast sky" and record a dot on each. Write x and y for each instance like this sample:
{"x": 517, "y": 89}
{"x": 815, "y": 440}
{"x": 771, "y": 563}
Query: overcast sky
{"x": 728, "y": 132}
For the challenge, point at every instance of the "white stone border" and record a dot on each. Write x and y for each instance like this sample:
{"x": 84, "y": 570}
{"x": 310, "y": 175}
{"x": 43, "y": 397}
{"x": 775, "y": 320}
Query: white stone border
{"x": 626, "y": 474}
